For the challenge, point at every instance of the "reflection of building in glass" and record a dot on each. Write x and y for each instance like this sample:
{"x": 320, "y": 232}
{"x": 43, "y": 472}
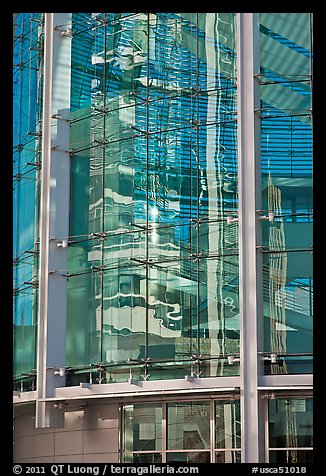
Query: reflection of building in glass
{"x": 174, "y": 255}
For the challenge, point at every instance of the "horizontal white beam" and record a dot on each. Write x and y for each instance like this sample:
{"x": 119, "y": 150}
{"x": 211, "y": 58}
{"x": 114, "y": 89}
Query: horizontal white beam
{"x": 143, "y": 394}
{"x": 289, "y": 387}
{"x": 282, "y": 380}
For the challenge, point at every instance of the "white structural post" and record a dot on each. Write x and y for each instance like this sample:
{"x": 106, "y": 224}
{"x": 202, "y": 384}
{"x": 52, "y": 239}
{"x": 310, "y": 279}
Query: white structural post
{"x": 54, "y": 215}
{"x": 250, "y": 256}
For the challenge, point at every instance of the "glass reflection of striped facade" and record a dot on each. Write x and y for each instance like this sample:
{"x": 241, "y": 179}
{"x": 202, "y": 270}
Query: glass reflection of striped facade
{"x": 27, "y": 116}
{"x": 154, "y": 271}
{"x": 286, "y": 157}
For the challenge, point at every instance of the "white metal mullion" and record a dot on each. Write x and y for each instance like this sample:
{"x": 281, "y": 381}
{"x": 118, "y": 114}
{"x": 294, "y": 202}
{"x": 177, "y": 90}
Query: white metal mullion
{"x": 212, "y": 430}
{"x": 250, "y": 259}
{"x": 164, "y": 431}
{"x": 44, "y": 218}
{"x": 54, "y": 217}
{"x": 266, "y": 424}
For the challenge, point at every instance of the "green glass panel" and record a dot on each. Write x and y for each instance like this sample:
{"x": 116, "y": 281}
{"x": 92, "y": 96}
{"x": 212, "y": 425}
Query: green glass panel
{"x": 84, "y": 304}
{"x": 188, "y": 425}
{"x": 169, "y": 370}
{"x": 25, "y": 331}
{"x": 142, "y": 427}
{"x": 290, "y": 422}
{"x": 120, "y": 373}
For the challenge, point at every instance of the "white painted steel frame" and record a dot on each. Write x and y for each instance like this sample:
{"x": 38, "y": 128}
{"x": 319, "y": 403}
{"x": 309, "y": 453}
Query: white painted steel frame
{"x": 54, "y": 215}
{"x": 250, "y": 258}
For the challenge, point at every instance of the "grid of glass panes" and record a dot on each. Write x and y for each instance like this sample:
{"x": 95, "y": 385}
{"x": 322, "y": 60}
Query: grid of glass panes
{"x": 27, "y": 140}
{"x": 286, "y": 160}
{"x": 153, "y": 266}
{"x": 290, "y": 425}
{"x": 201, "y": 431}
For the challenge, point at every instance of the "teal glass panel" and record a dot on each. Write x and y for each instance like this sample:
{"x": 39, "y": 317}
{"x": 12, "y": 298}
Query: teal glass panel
{"x": 142, "y": 430}
{"x": 288, "y": 310}
{"x": 188, "y": 425}
{"x": 227, "y": 424}
{"x": 153, "y": 135}
{"x": 286, "y": 165}
{"x": 27, "y": 117}
{"x": 290, "y": 422}
{"x": 294, "y": 27}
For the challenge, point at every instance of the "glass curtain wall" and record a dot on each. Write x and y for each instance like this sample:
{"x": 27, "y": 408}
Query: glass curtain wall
{"x": 286, "y": 159}
{"x": 153, "y": 264}
{"x": 27, "y": 115}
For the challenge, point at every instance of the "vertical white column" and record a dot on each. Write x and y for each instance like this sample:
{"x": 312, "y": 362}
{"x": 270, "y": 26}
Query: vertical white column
{"x": 164, "y": 431}
{"x": 54, "y": 215}
{"x": 250, "y": 257}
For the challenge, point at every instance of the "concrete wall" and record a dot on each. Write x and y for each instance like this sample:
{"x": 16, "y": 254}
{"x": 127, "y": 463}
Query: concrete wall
{"x": 90, "y": 435}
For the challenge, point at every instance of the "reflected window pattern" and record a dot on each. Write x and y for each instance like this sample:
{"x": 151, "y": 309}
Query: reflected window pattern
{"x": 227, "y": 424}
{"x": 142, "y": 427}
{"x": 153, "y": 264}
{"x": 290, "y": 424}
{"x": 286, "y": 164}
{"x": 188, "y": 426}
{"x": 27, "y": 116}
{"x": 200, "y": 431}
